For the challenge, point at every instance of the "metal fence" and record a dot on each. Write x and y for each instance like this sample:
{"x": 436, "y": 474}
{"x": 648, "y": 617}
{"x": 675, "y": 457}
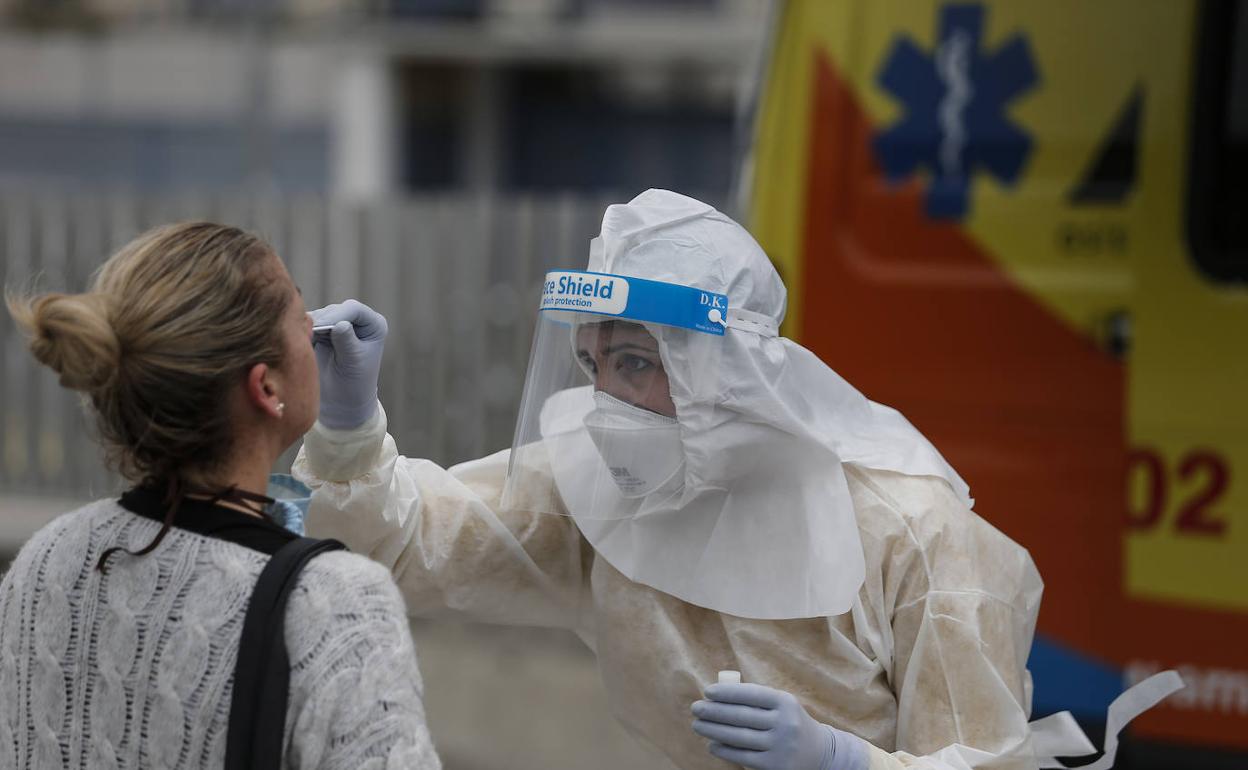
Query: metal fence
{"x": 458, "y": 279}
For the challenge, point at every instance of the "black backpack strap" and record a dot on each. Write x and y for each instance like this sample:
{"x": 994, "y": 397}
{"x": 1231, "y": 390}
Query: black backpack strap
{"x": 257, "y": 730}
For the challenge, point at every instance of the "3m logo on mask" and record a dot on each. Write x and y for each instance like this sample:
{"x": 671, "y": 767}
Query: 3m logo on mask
{"x": 588, "y": 292}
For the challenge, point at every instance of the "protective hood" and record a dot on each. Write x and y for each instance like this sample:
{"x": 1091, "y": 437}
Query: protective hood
{"x": 763, "y": 525}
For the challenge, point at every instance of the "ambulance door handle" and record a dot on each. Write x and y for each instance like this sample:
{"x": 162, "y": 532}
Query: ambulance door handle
{"x": 1114, "y": 333}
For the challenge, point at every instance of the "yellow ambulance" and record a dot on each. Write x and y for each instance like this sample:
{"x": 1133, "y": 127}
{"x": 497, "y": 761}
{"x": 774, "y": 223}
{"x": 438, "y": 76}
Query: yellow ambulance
{"x": 1025, "y": 224}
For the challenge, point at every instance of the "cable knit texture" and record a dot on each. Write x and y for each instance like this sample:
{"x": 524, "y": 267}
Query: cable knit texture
{"x": 134, "y": 669}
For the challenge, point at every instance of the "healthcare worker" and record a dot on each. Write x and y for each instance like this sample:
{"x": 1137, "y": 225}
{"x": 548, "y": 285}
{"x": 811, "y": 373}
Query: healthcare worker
{"x": 691, "y": 492}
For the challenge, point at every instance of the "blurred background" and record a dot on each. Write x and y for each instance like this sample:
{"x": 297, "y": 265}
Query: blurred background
{"x": 1021, "y": 223}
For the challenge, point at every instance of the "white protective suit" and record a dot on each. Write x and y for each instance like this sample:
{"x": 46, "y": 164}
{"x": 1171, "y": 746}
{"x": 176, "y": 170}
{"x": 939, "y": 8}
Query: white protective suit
{"x": 928, "y": 665}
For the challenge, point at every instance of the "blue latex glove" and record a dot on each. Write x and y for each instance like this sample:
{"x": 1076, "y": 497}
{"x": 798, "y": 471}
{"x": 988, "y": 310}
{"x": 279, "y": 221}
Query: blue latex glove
{"x": 348, "y": 358}
{"x": 766, "y": 729}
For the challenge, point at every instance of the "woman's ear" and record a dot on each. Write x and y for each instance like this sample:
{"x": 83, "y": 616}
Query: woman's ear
{"x": 261, "y": 392}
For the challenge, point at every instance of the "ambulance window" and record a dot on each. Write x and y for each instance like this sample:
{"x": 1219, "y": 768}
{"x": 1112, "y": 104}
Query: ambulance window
{"x": 1217, "y": 200}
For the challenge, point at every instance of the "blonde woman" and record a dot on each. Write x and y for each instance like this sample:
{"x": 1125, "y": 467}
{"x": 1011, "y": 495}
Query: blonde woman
{"x": 120, "y": 622}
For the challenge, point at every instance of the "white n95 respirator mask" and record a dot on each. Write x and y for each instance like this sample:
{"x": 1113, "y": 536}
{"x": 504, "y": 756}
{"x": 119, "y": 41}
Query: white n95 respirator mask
{"x": 640, "y": 448}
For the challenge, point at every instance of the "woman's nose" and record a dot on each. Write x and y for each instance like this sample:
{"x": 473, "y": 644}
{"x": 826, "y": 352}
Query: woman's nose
{"x": 603, "y": 382}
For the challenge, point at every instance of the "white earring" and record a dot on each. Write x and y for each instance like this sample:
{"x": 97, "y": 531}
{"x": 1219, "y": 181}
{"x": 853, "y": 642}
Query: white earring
{"x": 281, "y": 407}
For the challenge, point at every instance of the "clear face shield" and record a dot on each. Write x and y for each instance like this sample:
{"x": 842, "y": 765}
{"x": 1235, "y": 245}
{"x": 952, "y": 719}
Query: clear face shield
{"x": 617, "y": 367}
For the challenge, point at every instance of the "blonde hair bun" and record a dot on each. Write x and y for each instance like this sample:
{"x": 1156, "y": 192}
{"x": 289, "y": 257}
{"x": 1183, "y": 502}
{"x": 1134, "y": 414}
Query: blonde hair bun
{"x": 73, "y": 335}
{"x": 191, "y": 305}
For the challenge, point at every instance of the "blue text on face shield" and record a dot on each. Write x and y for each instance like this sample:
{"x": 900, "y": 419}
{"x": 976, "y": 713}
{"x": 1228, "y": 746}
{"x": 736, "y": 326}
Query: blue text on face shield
{"x": 585, "y": 292}
{"x": 574, "y": 285}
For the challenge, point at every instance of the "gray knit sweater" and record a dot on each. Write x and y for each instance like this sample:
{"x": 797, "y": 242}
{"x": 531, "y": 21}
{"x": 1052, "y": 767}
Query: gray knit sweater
{"x": 134, "y": 668}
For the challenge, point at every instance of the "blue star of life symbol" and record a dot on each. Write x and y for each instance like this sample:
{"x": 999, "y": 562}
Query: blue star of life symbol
{"x": 955, "y": 101}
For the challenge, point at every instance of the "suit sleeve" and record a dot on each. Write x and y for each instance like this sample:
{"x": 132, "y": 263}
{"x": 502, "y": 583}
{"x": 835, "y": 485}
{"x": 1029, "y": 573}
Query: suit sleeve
{"x": 441, "y": 532}
{"x": 962, "y": 628}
